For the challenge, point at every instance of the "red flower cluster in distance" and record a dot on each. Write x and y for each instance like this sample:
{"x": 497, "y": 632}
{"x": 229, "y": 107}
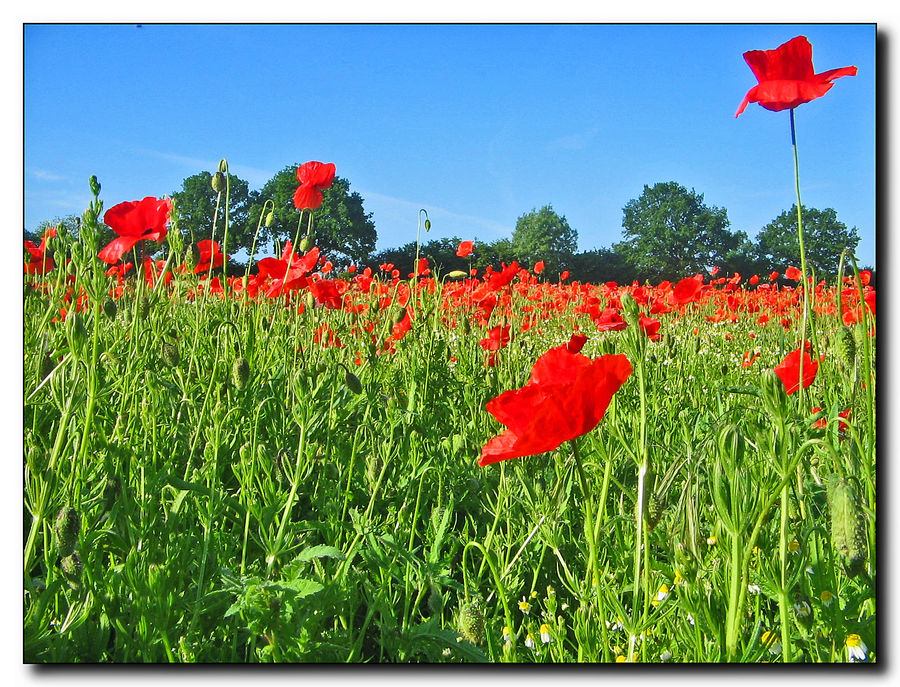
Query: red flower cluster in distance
{"x": 566, "y": 396}
{"x": 314, "y": 177}
{"x": 786, "y": 77}
{"x": 133, "y": 221}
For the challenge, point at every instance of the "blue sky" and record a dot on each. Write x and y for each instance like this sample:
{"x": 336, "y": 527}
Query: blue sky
{"x": 478, "y": 124}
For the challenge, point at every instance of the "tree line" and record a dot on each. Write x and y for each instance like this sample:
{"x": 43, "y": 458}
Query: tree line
{"x": 668, "y": 232}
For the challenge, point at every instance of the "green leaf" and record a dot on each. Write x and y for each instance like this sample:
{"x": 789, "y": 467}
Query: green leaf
{"x": 321, "y": 551}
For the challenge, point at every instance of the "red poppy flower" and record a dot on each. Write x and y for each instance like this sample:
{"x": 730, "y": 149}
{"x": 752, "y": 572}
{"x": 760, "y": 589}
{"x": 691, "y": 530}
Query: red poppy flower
{"x": 748, "y": 359}
{"x": 313, "y": 178}
{"x": 210, "y": 256}
{"x": 610, "y": 321}
{"x": 786, "y": 77}
{"x": 539, "y": 267}
{"x": 133, "y": 221}
{"x": 564, "y": 275}
{"x": 566, "y": 396}
{"x": 686, "y": 290}
{"x": 497, "y": 338}
{"x": 650, "y": 327}
{"x": 576, "y": 343}
{"x": 40, "y": 262}
{"x": 788, "y": 370}
{"x": 773, "y": 276}
{"x": 754, "y": 279}
{"x": 714, "y": 271}
{"x": 793, "y": 274}
{"x": 465, "y": 249}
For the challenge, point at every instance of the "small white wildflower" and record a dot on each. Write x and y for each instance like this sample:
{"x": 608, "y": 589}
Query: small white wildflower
{"x": 856, "y": 649}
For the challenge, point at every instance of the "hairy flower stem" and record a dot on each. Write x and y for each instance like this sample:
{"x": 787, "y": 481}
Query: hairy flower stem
{"x": 593, "y": 573}
{"x": 805, "y": 315}
{"x": 641, "y": 501}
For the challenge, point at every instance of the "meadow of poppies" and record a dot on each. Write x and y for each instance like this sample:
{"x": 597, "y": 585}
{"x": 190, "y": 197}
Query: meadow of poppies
{"x": 344, "y": 463}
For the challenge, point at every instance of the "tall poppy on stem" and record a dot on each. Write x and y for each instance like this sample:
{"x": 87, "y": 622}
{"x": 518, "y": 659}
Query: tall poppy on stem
{"x": 566, "y": 397}
{"x": 794, "y": 365}
{"x": 314, "y": 177}
{"x": 40, "y": 262}
{"x": 134, "y": 221}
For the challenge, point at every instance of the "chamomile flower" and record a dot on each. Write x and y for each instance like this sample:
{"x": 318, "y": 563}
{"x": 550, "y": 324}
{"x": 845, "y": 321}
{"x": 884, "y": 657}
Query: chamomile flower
{"x": 711, "y": 540}
{"x": 753, "y": 588}
{"x": 661, "y": 595}
{"x": 529, "y": 641}
{"x": 507, "y": 634}
{"x": 524, "y": 606}
{"x": 827, "y": 598}
{"x": 771, "y": 642}
{"x": 856, "y": 649}
{"x": 545, "y": 633}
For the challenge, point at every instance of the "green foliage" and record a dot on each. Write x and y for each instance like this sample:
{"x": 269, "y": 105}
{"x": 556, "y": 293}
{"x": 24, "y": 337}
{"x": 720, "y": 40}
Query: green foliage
{"x": 343, "y": 230}
{"x": 669, "y": 233}
{"x": 824, "y": 237}
{"x": 544, "y": 235}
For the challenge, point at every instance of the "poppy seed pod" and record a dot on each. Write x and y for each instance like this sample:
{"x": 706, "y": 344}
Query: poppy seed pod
{"x": 218, "y": 182}
{"x": 66, "y": 528}
{"x": 240, "y": 373}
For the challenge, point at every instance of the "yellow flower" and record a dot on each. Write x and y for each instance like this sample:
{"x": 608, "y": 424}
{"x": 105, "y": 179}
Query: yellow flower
{"x": 524, "y": 606}
{"x": 621, "y": 659}
{"x": 827, "y": 598}
{"x": 678, "y": 577}
{"x": 529, "y": 641}
{"x": 711, "y": 540}
{"x": 793, "y": 546}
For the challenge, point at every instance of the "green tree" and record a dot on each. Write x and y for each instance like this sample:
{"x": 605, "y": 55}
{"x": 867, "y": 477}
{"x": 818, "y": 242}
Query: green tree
{"x": 342, "y": 227}
{"x": 824, "y": 237}
{"x": 195, "y": 207}
{"x": 544, "y": 235}
{"x": 670, "y": 233}
{"x": 600, "y": 265}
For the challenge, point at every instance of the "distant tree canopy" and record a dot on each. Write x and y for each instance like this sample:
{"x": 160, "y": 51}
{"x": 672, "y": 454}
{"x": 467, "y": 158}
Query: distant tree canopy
{"x": 195, "y": 208}
{"x": 544, "y": 235}
{"x": 824, "y": 237}
{"x": 341, "y": 226}
{"x": 669, "y": 233}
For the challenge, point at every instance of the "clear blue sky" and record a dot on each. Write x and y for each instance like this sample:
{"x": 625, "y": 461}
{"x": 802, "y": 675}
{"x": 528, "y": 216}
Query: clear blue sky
{"x": 478, "y": 124}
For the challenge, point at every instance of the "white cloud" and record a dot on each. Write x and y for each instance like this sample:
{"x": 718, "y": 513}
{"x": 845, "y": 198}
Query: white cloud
{"x": 44, "y": 175}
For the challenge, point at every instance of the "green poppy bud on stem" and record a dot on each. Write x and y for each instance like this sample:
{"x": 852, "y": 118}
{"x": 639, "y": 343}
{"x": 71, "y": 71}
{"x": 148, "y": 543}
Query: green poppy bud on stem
{"x": 170, "y": 354}
{"x": 398, "y": 315}
{"x": 630, "y": 306}
{"x": 848, "y": 524}
{"x": 110, "y": 308}
{"x": 306, "y": 243}
{"x": 223, "y": 165}
{"x": 270, "y": 218}
{"x": 456, "y": 274}
{"x": 351, "y": 381}
{"x": 71, "y": 567}
{"x": 95, "y": 185}
{"x": 218, "y": 182}
{"x": 471, "y": 622}
{"x": 66, "y": 529}
{"x": 427, "y": 225}
{"x": 845, "y": 347}
{"x": 240, "y": 373}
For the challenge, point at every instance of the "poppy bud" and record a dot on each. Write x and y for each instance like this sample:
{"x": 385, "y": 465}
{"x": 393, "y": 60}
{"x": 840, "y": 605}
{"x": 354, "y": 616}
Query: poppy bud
{"x": 46, "y": 366}
{"x": 223, "y": 165}
{"x": 773, "y": 393}
{"x": 351, "y": 381}
{"x": 630, "y": 306}
{"x": 143, "y": 308}
{"x": 170, "y": 355}
{"x": 66, "y": 528}
{"x": 848, "y": 524}
{"x": 845, "y": 347}
{"x": 270, "y": 218}
{"x": 78, "y": 335}
{"x": 310, "y": 300}
{"x": 110, "y": 308}
{"x": 218, "y": 182}
{"x": 240, "y": 373}
{"x": 457, "y": 274}
{"x": 71, "y": 567}
{"x": 321, "y": 368}
{"x": 111, "y": 491}
{"x": 306, "y": 243}
{"x": 470, "y": 623}
{"x": 398, "y": 315}
{"x": 95, "y": 185}
{"x": 859, "y": 337}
